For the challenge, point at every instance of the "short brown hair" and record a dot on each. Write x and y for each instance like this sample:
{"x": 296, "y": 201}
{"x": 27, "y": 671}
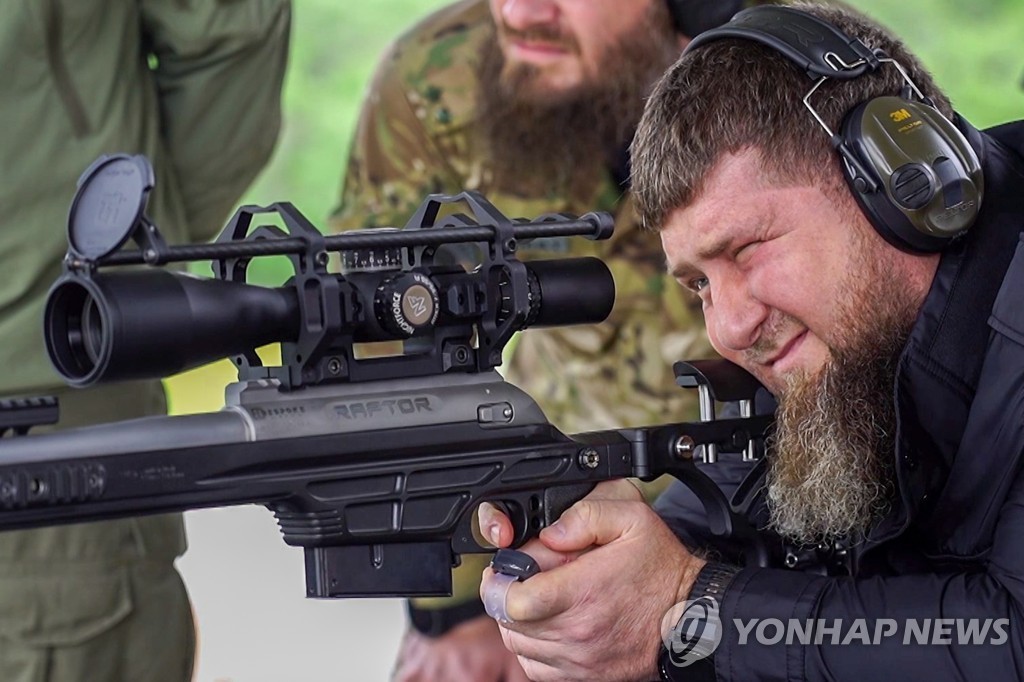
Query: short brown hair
{"x": 733, "y": 94}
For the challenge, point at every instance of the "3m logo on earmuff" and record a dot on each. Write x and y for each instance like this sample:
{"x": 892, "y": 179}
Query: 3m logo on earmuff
{"x": 901, "y": 116}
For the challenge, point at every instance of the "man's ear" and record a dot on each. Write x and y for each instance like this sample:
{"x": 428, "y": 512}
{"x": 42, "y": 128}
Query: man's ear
{"x": 684, "y": 40}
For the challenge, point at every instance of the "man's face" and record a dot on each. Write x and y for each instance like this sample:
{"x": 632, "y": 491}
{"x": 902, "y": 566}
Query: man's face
{"x": 556, "y": 47}
{"x": 787, "y": 276}
{"x": 799, "y": 290}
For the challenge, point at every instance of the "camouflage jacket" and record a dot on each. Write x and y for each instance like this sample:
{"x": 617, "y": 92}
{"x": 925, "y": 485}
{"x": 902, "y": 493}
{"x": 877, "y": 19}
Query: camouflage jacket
{"x": 417, "y": 134}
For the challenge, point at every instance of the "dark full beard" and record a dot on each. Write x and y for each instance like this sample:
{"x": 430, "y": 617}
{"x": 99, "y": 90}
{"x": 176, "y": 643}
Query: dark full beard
{"x": 540, "y": 140}
{"x": 831, "y": 473}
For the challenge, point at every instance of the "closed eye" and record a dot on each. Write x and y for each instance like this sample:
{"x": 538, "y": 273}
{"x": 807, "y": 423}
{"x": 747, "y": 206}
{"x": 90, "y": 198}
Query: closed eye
{"x": 746, "y": 251}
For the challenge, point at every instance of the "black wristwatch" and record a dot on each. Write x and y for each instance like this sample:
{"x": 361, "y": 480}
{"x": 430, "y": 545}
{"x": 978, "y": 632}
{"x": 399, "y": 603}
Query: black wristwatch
{"x": 436, "y": 622}
{"x": 710, "y": 585}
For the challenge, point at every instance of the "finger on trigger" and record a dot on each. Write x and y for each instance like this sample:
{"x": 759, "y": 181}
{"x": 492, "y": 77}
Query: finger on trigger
{"x": 495, "y": 526}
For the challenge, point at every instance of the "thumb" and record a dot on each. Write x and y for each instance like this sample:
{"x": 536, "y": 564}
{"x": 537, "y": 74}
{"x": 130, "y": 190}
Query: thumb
{"x": 590, "y": 522}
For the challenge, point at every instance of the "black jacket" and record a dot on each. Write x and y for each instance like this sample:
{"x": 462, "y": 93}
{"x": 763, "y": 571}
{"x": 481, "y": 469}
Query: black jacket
{"x": 953, "y": 547}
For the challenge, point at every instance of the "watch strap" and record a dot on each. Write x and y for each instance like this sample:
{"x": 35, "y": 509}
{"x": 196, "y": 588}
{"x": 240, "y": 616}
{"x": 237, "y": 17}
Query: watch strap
{"x": 437, "y": 622}
{"x": 711, "y": 582}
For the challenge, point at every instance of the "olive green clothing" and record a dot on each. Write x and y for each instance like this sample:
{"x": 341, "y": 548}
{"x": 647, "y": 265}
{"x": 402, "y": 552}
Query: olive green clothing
{"x": 98, "y": 601}
{"x": 133, "y": 624}
{"x": 78, "y": 84}
{"x": 195, "y": 86}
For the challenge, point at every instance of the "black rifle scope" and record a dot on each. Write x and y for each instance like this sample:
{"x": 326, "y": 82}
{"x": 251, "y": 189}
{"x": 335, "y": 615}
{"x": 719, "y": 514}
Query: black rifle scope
{"x": 107, "y": 323}
{"x": 153, "y": 323}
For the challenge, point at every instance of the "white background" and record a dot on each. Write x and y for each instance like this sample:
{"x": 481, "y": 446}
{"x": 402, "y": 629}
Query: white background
{"x": 255, "y": 624}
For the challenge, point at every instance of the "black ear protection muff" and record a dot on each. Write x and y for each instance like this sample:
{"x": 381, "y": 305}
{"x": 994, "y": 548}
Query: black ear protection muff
{"x": 916, "y": 176}
{"x": 693, "y": 17}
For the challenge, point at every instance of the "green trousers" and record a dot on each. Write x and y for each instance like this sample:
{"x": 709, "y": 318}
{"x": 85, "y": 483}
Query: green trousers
{"x": 101, "y": 601}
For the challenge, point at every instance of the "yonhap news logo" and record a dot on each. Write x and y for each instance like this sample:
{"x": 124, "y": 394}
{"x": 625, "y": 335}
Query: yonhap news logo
{"x": 691, "y": 630}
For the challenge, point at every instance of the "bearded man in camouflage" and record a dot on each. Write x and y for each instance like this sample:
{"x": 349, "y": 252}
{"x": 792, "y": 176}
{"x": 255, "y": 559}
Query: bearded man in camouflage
{"x": 534, "y": 104}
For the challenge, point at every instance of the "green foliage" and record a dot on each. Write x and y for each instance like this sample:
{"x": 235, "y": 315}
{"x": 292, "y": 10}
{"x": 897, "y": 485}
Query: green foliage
{"x": 970, "y": 47}
{"x": 335, "y": 46}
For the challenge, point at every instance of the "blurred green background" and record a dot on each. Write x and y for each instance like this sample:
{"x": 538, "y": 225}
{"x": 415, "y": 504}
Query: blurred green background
{"x": 972, "y": 47}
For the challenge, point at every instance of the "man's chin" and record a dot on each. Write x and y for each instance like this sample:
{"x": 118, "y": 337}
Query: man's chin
{"x": 541, "y": 84}
{"x": 804, "y": 365}
{"x": 538, "y": 55}
{"x": 778, "y": 384}
{"x": 798, "y": 378}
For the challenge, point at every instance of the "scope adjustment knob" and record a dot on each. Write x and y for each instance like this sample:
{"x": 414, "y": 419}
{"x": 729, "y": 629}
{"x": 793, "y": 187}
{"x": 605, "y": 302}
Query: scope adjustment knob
{"x": 505, "y": 307}
{"x": 406, "y": 304}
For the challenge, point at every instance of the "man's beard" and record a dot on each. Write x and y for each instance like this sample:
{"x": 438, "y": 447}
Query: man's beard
{"x": 831, "y": 470}
{"x": 539, "y": 139}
